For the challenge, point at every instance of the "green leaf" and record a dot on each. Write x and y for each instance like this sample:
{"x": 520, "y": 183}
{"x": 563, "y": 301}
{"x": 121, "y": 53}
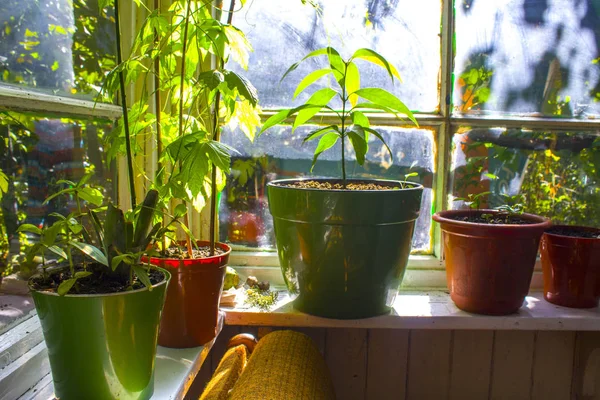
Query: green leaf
{"x": 319, "y": 98}
{"x": 98, "y": 230}
{"x": 116, "y": 260}
{"x": 29, "y": 228}
{"x": 142, "y": 276}
{"x": 384, "y": 98}
{"x": 358, "y": 138}
{"x": 275, "y": 120}
{"x": 49, "y": 234}
{"x": 358, "y": 118}
{"x": 327, "y": 141}
{"x": 336, "y": 62}
{"x": 91, "y": 251}
{"x": 243, "y": 86}
{"x": 82, "y": 274}
{"x": 310, "y": 79}
{"x": 211, "y": 79}
{"x": 352, "y": 82}
{"x": 180, "y": 210}
{"x": 143, "y": 222}
{"x": 378, "y": 136}
{"x": 91, "y": 195}
{"x": 114, "y": 225}
{"x": 219, "y": 154}
{"x": 318, "y": 133}
{"x": 58, "y": 251}
{"x": 375, "y": 58}
{"x": 3, "y": 183}
{"x": 59, "y": 193}
{"x": 65, "y": 286}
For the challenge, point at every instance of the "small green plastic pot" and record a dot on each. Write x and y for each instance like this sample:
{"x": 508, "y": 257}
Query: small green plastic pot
{"x": 102, "y": 346}
{"x": 343, "y": 253}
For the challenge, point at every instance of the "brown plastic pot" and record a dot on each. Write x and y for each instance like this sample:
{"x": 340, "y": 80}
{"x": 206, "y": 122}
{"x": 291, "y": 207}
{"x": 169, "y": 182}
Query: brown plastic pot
{"x": 488, "y": 266}
{"x": 191, "y": 310}
{"x": 571, "y": 268}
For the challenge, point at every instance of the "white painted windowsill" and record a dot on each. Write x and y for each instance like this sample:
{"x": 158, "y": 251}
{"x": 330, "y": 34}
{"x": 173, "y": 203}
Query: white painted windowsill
{"x": 427, "y": 310}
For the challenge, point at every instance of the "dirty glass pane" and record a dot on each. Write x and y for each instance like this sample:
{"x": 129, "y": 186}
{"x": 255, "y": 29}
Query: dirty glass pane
{"x": 244, "y": 213}
{"x": 283, "y": 32}
{"x": 37, "y": 152}
{"x": 533, "y": 57}
{"x": 63, "y": 47}
{"x": 555, "y": 174}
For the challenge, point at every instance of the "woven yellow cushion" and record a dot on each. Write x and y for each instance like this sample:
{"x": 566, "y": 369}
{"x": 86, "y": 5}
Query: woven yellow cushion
{"x": 285, "y": 365}
{"x": 227, "y": 373}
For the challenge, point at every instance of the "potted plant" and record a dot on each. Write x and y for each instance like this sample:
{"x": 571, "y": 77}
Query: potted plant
{"x": 571, "y": 263}
{"x": 195, "y": 101}
{"x": 490, "y": 255}
{"x": 343, "y": 244}
{"x": 100, "y": 316}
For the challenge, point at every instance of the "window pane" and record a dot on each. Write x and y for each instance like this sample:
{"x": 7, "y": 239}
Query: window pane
{"x": 244, "y": 214}
{"x": 528, "y": 56}
{"x": 283, "y": 32}
{"x": 60, "y": 46}
{"x": 35, "y": 153}
{"x": 557, "y": 173}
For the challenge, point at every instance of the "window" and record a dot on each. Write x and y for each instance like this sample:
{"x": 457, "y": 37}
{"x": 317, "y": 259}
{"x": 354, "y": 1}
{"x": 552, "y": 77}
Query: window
{"x": 54, "y": 56}
{"x": 507, "y": 94}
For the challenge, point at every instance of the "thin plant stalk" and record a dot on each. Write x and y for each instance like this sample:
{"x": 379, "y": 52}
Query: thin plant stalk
{"x": 183, "y": 55}
{"x": 343, "y": 126}
{"x": 216, "y": 137}
{"x": 124, "y": 107}
{"x": 158, "y": 108}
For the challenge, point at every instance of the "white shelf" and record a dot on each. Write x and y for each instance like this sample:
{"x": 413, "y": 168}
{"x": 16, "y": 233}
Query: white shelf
{"x": 428, "y": 310}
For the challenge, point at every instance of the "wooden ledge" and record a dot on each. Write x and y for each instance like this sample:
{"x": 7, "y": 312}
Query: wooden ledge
{"x": 428, "y": 310}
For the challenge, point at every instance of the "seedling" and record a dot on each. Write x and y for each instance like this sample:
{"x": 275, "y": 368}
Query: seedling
{"x": 352, "y": 123}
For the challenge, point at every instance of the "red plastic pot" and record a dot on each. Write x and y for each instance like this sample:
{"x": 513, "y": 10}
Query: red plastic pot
{"x": 191, "y": 310}
{"x": 571, "y": 268}
{"x": 489, "y": 267}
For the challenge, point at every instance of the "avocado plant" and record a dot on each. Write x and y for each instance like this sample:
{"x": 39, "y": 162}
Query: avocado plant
{"x": 352, "y": 122}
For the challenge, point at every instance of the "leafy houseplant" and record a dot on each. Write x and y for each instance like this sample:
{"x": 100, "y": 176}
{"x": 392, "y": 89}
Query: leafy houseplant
{"x": 100, "y": 316}
{"x": 490, "y": 255}
{"x": 570, "y": 258}
{"x": 187, "y": 48}
{"x": 343, "y": 244}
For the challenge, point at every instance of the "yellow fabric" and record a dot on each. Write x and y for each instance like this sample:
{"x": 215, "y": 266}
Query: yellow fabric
{"x": 227, "y": 373}
{"x": 285, "y": 365}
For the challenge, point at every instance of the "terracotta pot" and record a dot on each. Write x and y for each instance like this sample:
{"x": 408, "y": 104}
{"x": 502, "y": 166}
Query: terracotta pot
{"x": 571, "y": 268}
{"x": 191, "y": 310}
{"x": 489, "y": 267}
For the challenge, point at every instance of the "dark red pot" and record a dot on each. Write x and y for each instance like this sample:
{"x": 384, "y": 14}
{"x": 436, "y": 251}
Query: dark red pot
{"x": 489, "y": 267}
{"x": 191, "y": 310}
{"x": 571, "y": 269}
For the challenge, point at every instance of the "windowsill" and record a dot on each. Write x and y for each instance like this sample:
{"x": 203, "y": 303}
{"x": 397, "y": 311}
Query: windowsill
{"x": 428, "y": 310}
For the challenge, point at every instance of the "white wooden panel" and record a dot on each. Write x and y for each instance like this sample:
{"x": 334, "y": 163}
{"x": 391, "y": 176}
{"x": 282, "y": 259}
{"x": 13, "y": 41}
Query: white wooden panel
{"x": 553, "y": 365}
{"x": 346, "y": 357}
{"x": 471, "y": 365}
{"x": 586, "y": 373}
{"x": 387, "y": 364}
{"x": 512, "y": 365}
{"x": 19, "y": 340}
{"x": 429, "y": 364}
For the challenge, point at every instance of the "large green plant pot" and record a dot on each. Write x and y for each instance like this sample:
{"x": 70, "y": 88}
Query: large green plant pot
{"x": 102, "y": 346}
{"x": 343, "y": 253}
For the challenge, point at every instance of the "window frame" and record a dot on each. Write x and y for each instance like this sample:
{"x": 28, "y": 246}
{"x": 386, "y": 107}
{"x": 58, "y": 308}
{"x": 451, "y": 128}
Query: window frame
{"x": 444, "y": 121}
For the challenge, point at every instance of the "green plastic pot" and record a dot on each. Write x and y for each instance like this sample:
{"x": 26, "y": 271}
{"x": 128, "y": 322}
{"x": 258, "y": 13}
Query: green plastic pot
{"x": 102, "y": 346}
{"x": 343, "y": 253}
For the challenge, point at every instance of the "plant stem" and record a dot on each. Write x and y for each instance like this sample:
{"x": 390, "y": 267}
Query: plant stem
{"x": 124, "y": 106}
{"x": 157, "y": 109}
{"x": 216, "y": 137}
{"x": 181, "y": 86}
{"x": 343, "y": 126}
